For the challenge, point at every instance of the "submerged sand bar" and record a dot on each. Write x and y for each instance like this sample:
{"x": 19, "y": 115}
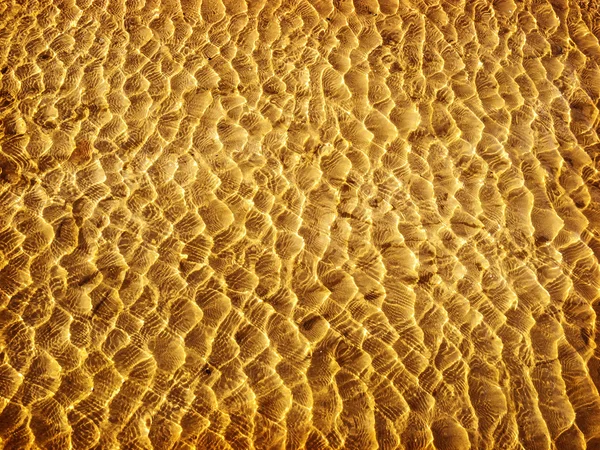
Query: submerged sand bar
{"x": 299, "y": 224}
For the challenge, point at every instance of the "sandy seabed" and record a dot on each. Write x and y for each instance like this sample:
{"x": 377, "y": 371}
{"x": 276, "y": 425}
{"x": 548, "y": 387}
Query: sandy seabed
{"x": 297, "y": 224}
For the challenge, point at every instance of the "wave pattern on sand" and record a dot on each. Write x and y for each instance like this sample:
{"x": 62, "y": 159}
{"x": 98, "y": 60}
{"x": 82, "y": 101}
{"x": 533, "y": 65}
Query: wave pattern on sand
{"x": 299, "y": 224}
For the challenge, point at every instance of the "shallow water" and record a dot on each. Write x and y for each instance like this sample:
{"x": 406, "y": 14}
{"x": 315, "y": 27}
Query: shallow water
{"x": 320, "y": 224}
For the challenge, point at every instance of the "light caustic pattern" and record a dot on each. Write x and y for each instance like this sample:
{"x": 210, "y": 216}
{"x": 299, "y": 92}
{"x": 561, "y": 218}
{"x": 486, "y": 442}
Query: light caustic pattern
{"x": 232, "y": 224}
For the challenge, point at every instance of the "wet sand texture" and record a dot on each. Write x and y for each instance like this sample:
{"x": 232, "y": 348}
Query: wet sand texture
{"x": 294, "y": 224}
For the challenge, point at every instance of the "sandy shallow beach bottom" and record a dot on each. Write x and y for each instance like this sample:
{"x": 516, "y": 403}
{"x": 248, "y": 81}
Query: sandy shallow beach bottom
{"x": 294, "y": 224}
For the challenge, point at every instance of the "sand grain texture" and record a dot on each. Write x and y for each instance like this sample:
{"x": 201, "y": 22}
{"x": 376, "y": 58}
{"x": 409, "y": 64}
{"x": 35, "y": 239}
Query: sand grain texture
{"x": 281, "y": 224}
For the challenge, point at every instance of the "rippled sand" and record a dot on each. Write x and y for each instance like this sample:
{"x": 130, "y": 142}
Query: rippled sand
{"x": 321, "y": 224}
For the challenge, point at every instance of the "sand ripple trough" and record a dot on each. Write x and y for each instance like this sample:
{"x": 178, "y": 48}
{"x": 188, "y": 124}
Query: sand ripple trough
{"x": 289, "y": 224}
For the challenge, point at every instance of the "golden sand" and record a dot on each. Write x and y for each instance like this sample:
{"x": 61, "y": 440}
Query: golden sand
{"x": 320, "y": 224}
